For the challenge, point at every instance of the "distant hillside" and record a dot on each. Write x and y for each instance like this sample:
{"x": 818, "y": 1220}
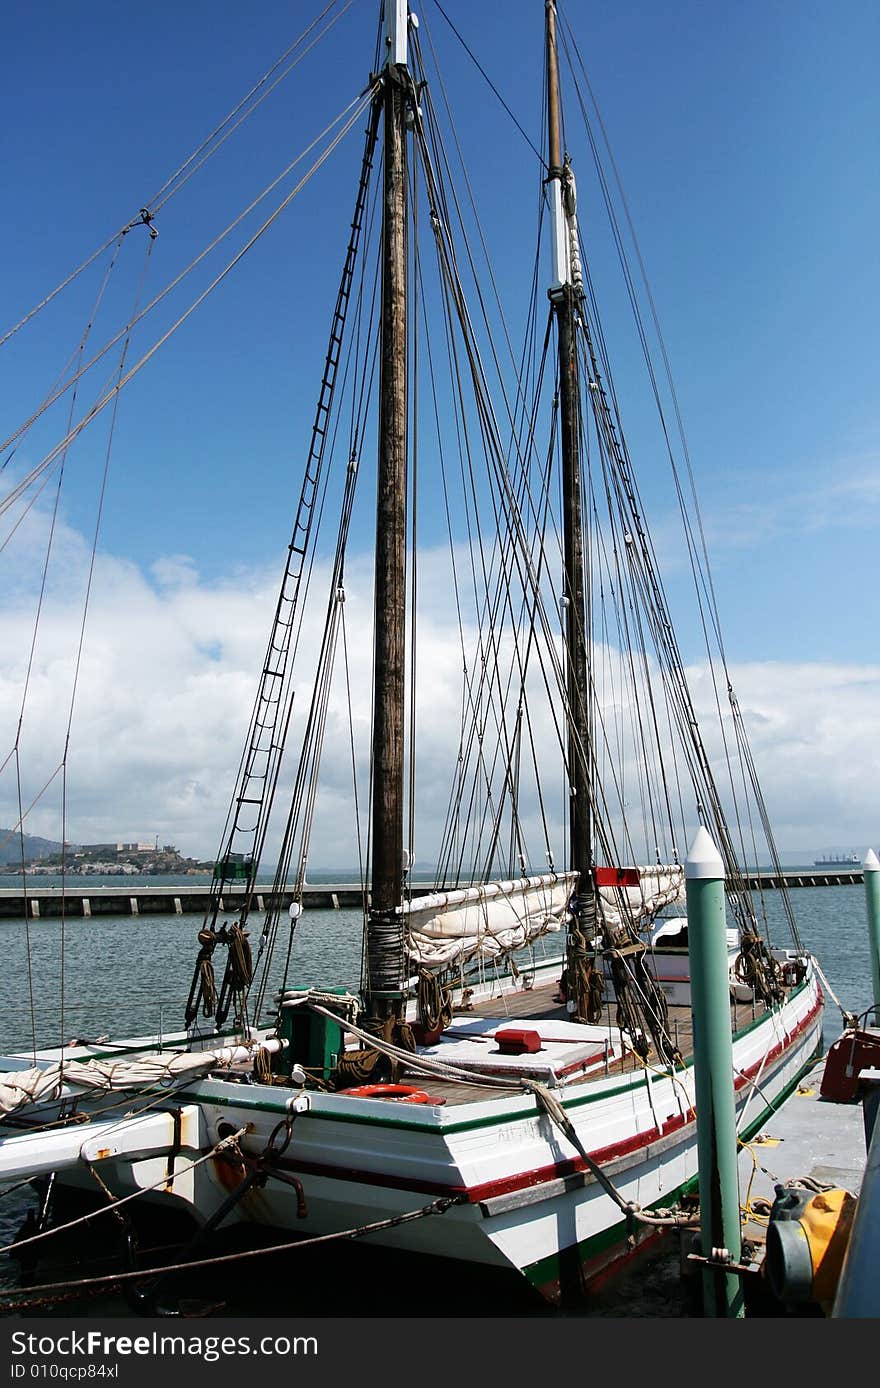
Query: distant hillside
{"x": 34, "y": 846}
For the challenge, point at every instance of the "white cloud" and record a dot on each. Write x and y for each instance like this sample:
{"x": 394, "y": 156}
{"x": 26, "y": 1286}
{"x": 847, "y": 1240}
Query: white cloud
{"x": 175, "y": 571}
{"x": 168, "y": 676}
{"x": 154, "y": 721}
{"x": 814, "y": 729}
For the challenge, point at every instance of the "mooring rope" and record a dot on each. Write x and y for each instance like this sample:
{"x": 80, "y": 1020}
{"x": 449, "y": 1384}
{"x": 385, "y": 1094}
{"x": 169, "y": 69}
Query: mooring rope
{"x": 111, "y": 1279}
{"x": 849, "y": 1018}
{"x": 630, "y": 1208}
{"x": 220, "y": 1146}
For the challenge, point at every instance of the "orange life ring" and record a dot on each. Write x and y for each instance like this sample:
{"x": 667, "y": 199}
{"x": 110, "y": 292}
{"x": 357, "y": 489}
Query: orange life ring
{"x": 403, "y": 1093}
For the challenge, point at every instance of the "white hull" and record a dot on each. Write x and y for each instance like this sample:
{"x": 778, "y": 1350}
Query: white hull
{"x": 526, "y": 1202}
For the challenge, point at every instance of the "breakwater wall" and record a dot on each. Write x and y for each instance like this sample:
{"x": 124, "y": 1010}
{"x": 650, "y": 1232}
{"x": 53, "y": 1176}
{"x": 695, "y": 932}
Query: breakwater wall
{"x": 37, "y": 903}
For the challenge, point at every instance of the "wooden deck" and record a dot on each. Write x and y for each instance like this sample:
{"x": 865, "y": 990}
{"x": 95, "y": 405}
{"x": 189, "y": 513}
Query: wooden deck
{"x": 538, "y": 1004}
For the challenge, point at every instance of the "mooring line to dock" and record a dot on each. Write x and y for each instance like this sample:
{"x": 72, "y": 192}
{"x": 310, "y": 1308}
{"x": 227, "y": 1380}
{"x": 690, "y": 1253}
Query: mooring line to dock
{"x": 848, "y": 1017}
{"x": 630, "y": 1208}
{"x": 111, "y": 1279}
{"x": 116, "y": 1203}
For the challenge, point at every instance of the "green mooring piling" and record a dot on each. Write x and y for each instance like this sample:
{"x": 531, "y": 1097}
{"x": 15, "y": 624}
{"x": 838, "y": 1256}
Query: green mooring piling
{"x": 871, "y": 870}
{"x": 713, "y": 1065}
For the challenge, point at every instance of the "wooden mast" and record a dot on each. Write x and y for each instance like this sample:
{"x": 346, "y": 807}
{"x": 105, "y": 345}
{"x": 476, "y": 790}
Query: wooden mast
{"x": 385, "y": 925}
{"x": 563, "y": 296}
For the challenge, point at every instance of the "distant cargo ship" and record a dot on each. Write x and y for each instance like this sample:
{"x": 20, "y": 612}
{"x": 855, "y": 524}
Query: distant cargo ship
{"x": 844, "y": 860}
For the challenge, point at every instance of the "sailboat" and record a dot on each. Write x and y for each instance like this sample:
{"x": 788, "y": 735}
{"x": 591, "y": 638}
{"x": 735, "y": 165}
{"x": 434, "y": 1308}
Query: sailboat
{"x": 483, "y": 1097}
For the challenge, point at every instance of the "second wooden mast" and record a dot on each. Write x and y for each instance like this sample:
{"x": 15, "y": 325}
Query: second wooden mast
{"x": 564, "y": 296}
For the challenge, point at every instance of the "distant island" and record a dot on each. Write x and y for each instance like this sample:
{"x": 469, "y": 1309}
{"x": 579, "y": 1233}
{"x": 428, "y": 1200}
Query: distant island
{"x": 44, "y": 857}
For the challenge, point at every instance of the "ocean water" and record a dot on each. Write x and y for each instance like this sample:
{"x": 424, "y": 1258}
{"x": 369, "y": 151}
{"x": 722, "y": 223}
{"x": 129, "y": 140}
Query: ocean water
{"x": 126, "y": 976}
{"x": 130, "y": 975}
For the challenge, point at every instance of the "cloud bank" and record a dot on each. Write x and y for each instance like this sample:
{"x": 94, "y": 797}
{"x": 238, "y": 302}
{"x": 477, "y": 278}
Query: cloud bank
{"x": 167, "y": 679}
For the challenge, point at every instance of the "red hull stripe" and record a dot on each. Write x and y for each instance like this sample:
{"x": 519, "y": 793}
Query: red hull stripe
{"x": 523, "y": 1180}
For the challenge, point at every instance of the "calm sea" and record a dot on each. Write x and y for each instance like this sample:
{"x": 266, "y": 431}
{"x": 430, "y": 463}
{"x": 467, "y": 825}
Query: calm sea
{"x": 127, "y": 976}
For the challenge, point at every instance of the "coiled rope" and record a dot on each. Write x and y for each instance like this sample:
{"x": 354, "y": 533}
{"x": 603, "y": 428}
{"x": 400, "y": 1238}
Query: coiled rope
{"x": 434, "y": 1001}
{"x": 756, "y": 966}
{"x": 582, "y": 980}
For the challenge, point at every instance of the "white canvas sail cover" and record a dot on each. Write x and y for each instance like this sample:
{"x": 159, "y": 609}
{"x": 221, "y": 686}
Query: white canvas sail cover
{"x": 658, "y": 886}
{"x": 19, "y": 1088}
{"x": 486, "y": 921}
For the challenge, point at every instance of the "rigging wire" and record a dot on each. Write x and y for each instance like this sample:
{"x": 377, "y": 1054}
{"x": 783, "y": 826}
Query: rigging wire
{"x": 653, "y": 1004}
{"x": 441, "y": 218}
{"x": 167, "y": 190}
{"x": 469, "y": 346}
{"x": 75, "y": 357}
{"x": 82, "y": 632}
{"x": 113, "y": 395}
{"x": 490, "y": 84}
{"x": 349, "y": 115}
{"x": 701, "y": 568}
{"x": 29, "y": 669}
{"x": 303, "y": 799}
{"x": 290, "y": 614}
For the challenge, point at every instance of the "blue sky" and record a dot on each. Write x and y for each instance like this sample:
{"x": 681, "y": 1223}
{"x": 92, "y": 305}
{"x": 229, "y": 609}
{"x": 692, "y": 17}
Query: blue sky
{"x": 746, "y": 138}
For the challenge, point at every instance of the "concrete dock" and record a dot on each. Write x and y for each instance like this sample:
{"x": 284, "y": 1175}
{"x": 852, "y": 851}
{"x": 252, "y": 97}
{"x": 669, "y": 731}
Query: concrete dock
{"x": 808, "y": 1138}
{"x": 810, "y": 1144}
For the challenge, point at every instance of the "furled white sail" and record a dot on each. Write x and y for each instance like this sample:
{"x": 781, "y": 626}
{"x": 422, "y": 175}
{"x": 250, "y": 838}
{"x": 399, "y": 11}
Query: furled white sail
{"x": 658, "y": 886}
{"x": 488, "y": 920}
{"x": 19, "y": 1088}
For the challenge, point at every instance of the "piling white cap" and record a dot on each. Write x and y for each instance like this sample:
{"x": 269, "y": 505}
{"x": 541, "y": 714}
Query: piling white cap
{"x": 703, "y": 860}
{"x": 872, "y": 862}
